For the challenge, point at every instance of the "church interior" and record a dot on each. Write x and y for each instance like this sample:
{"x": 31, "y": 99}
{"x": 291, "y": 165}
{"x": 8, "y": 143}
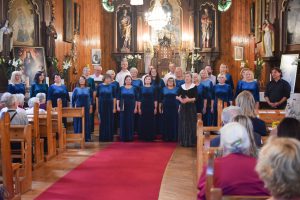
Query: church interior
{"x": 149, "y": 99}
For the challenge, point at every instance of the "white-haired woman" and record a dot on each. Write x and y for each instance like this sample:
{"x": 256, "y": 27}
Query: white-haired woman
{"x": 235, "y": 144}
{"x": 278, "y": 167}
{"x": 246, "y": 102}
{"x": 15, "y": 85}
{"x": 31, "y": 103}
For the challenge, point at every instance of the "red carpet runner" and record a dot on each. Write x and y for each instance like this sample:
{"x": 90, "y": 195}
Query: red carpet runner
{"x": 127, "y": 171}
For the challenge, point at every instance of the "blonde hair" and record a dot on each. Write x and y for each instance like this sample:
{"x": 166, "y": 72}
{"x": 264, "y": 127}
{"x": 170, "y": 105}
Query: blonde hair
{"x": 110, "y": 72}
{"x": 251, "y": 72}
{"x": 13, "y": 77}
{"x": 246, "y": 102}
{"x": 133, "y": 69}
{"x": 247, "y": 123}
{"x": 180, "y": 71}
{"x": 203, "y": 70}
{"x": 278, "y": 166}
{"x": 220, "y": 75}
{"x": 242, "y": 71}
{"x": 198, "y": 76}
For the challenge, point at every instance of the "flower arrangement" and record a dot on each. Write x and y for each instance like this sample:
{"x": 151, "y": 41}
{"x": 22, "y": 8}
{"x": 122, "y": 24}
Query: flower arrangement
{"x": 194, "y": 58}
{"x": 67, "y": 64}
{"x": 53, "y": 62}
{"x": 259, "y": 65}
{"x": 12, "y": 65}
{"x": 133, "y": 60}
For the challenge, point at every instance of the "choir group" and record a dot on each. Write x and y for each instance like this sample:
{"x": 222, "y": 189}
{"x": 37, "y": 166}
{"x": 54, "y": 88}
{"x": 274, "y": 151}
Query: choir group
{"x": 151, "y": 105}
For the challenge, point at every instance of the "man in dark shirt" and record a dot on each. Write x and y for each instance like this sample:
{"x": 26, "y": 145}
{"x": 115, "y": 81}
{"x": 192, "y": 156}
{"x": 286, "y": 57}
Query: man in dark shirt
{"x": 278, "y": 90}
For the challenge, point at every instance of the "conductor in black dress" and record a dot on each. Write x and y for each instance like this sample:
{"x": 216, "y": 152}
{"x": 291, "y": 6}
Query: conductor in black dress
{"x": 187, "y": 122}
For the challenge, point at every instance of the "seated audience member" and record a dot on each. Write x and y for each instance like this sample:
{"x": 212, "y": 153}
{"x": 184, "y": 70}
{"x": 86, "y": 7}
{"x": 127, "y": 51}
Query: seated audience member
{"x": 227, "y": 115}
{"x": 31, "y": 103}
{"x": 20, "y": 99}
{"x": 236, "y": 158}
{"x": 288, "y": 127}
{"x": 246, "y": 102}
{"x": 278, "y": 167}
{"x": 42, "y": 100}
{"x": 4, "y": 100}
{"x": 255, "y": 139}
{"x": 16, "y": 118}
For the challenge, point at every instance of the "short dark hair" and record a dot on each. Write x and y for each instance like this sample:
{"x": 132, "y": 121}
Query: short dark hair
{"x": 289, "y": 127}
{"x": 126, "y": 78}
{"x": 37, "y": 77}
{"x": 56, "y": 74}
{"x": 278, "y": 70}
{"x": 86, "y": 83}
{"x": 146, "y": 77}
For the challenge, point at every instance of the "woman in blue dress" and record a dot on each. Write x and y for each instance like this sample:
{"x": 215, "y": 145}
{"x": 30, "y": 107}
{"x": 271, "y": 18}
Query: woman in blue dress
{"x": 207, "y": 86}
{"x": 224, "y": 70}
{"x": 179, "y": 76}
{"x": 138, "y": 84}
{"x": 168, "y": 107}
{"x": 106, "y": 98}
{"x": 221, "y": 91}
{"x": 16, "y": 86}
{"x": 39, "y": 85}
{"x": 201, "y": 101}
{"x": 116, "y": 86}
{"x": 127, "y": 103}
{"x": 147, "y": 108}
{"x": 58, "y": 91}
{"x": 86, "y": 72}
{"x": 83, "y": 97}
{"x": 250, "y": 85}
{"x": 158, "y": 83}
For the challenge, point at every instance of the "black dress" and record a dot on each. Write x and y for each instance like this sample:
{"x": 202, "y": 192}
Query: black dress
{"x": 187, "y": 122}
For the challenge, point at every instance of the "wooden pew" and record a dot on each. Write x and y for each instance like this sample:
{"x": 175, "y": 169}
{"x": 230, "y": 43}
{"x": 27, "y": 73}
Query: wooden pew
{"x": 61, "y": 130}
{"x": 75, "y": 137}
{"x": 9, "y": 171}
{"x": 270, "y": 116}
{"x": 216, "y": 194}
{"x": 204, "y": 137}
{"x": 23, "y": 135}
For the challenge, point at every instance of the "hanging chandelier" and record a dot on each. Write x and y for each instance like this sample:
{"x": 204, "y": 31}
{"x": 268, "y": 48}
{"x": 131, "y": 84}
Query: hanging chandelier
{"x": 136, "y": 2}
{"x": 157, "y": 18}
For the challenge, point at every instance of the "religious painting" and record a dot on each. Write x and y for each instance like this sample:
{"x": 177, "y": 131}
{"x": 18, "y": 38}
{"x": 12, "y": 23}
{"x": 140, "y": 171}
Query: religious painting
{"x": 68, "y": 21}
{"x": 207, "y": 26}
{"x": 238, "y": 53}
{"x": 124, "y": 27}
{"x": 173, "y": 30}
{"x": 96, "y": 56}
{"x": 258, "y": 20}
{"x": 33, "y": 61}
{"x": 293, "y": 23}
{"x": 76, "y": 18}
{"x": 21, "y": 18}
{"x": 288, "y": 66}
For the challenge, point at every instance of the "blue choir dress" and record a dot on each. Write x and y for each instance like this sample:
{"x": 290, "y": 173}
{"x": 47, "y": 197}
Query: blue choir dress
{"x": 116, "y": 86}
{"x": 208, "y": 90}
{"x": 223, "y": 92}
{"x": 138, "y": 84}
{"x": 147, "y": 98}
{"x": 249, "y": 86}
{"x": 170, "y": 113}
{"x": 200, "y": 98}
{"x": 83, "y": 97}
{"x": 127, "y": 99}
{"x": 179, "y": 82}
{"x": 91, "y": 84}
{"x": 16, "y": 88}
{"x": 158, "y": 122}
{"x": 38, "y": 88}
{"x": 106, "y": 95}
{"x": 58, "y": 92}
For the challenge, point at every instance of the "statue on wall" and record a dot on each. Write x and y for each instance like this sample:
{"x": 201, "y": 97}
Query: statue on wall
{"x": 50, "y": 40}
{"x": 6, "y": 40}
{"x": 125, "y": 28}
{"x": 206, "y": 28}
{"x": 268, "y": 38}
